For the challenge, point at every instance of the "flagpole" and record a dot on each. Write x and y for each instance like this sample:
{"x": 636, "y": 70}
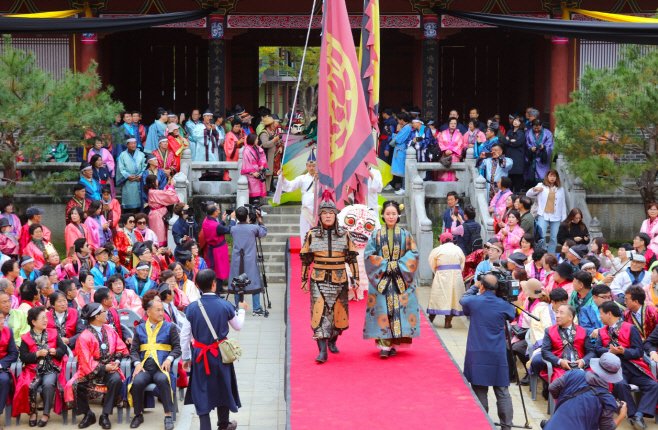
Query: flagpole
{"x": 294, "y": 106}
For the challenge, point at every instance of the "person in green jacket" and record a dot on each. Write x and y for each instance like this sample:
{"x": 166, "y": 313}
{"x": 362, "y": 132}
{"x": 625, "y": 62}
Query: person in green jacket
{"x": 59, "y": 153}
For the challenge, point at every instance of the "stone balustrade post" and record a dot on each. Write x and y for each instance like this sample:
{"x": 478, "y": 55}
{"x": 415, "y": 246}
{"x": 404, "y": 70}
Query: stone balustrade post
{"x": 243, "y": 191}
{"x": 410, "y": 169}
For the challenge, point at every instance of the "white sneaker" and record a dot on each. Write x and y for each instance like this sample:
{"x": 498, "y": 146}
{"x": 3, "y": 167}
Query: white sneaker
{"x": 400, "y": 192}
{"x": 388, "y": 188}
{"x": 262, "y": 213}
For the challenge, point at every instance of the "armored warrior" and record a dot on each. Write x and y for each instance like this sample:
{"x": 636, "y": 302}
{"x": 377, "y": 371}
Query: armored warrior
{"x": 329, "y": 247}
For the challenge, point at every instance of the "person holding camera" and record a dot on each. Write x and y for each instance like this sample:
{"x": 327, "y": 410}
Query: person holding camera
{"x": 493, "y": 166}
{"x": 583, "y": 399}
{"x": 254, "y": 165}
{"x": 245, "y": 236}
{"x": 185, "y": 227}
{"x": 215, "y": 231}
{"x": 485, "y": 363}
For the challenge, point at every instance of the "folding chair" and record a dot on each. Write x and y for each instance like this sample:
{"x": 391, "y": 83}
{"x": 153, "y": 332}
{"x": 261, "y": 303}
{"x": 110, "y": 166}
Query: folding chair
{"x": 151, "y": 387}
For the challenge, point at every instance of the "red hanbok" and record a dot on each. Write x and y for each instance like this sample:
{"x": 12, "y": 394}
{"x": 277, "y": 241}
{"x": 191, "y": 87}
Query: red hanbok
{"x": 90, "y": 361}
{"x": 177, "y": 146}
{"x": 167, "y": 160}
{"x": 25, "y": 237}
{"x": 649, "y": 320}
{"x": 72, "y": 232}
{"x": 124, "y": 244}
{"x": 73, "y": 203}
{"x": 21, "y": 403}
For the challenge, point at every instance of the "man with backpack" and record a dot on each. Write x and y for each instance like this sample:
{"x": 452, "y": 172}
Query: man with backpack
{"x": 583, "y": 398}
{"x": 447, "y": 262}
{"x": 468, "y": 232}
{"x": 528, "y": 222}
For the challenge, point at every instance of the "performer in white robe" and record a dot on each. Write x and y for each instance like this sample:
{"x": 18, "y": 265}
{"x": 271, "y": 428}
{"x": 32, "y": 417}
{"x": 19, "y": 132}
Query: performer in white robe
{"x": 306, "y": 183}
{"x": 447, "y": 262}
{"x": 375, "y": 185}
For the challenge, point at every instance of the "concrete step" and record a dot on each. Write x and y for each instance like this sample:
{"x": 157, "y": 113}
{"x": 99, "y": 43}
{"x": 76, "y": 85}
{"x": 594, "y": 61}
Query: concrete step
{"x": 274, "y": 247}
{"x": 277, "y": 219}
{"x": 276, "y": 278}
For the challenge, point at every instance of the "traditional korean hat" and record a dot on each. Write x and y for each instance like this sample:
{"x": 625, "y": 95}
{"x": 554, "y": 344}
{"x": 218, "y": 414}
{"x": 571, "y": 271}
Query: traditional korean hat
{"x": 140, "y": 248}
{"x": 90, "y": 310}
{"x": 586, "y": 264}
{"x": 579, "y": 251}
{"x": 171, "y": 114}
{"x": 26, "y": 259}
{"x": 208, "y": 112}
{"x": 142, "y": 265}
{"x": 163, "y": 139}
{"x": 149, "y": 157}
{"x": 131, "y": 139}
{"x": 229, "y": 114}
{"x": 183, "y": 255}
{"x": 417, "y": 120}
{"x": 239, "y": 109}
{"x": 311, "y": 156}
{"x": 84, "y": 166}
{"x": 275, "y": 118}
{"x": 78, "y": 187}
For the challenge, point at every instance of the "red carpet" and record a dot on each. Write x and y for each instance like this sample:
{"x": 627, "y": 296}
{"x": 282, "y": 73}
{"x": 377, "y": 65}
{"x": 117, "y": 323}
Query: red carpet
{"x": 419, "y": 388}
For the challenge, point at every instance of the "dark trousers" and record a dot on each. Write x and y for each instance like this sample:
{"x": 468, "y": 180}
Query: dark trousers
{"x": 537, "y": 364}
{"x": 113, "y": 383}
{"x": 153, "y": 375}
{"x": 5, "y": 386}
{"x": 397, "y": 180}
{"x": 222, "y": 419}
{"x": 518, "y": 182}
{"x": 219, "y": 283}
{"x": 503, "y": 403}
{"x": 519, "y": 349}
{"x": 648, "y": 387}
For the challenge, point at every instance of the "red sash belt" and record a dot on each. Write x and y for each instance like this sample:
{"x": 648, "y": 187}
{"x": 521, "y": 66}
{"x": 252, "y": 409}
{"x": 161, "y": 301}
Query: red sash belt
{"x": 213, "y": 348}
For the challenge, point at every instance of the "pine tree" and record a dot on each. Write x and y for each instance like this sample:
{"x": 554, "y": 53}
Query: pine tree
{"x": 38, "y": 110}
{"x": 611, "y": 120}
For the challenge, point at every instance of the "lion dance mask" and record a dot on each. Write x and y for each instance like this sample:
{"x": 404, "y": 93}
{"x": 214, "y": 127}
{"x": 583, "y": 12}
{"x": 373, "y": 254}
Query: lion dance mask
{"x": 361, "y": 222}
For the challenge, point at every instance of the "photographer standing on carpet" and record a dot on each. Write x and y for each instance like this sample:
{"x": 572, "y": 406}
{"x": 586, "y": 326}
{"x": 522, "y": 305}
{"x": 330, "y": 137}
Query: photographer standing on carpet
{"x": 245, "y": 259}
{"x": 485, "y": 364}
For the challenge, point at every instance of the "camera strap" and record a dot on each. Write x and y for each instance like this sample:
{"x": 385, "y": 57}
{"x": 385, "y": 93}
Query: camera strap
{"x": 205, "y": 316}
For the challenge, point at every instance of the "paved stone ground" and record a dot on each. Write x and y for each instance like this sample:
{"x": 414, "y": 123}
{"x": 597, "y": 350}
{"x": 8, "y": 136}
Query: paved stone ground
{"x": 455, "y": 341}
{"x": 260, "y": 371}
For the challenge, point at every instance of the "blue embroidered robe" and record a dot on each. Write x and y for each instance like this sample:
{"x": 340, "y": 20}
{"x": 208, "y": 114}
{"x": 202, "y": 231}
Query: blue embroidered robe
{"x": 130, "y": 165}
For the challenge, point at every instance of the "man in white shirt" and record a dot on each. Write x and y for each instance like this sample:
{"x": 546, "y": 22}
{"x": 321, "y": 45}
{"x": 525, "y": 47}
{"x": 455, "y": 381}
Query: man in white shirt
{"x": 634, "y": 275}
{"x": 305, "y": 183}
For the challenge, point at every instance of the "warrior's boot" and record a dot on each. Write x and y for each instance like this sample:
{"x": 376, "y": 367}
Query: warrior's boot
{"x": 332, "y": 345}
{"x": 322, "y": 346}
{"x": 448, "y": 323}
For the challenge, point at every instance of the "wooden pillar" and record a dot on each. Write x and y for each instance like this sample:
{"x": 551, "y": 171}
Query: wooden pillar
{"x": 430, "y": 79}
{"x": 89, "y": 50}
{"x": 559, "y": 74}
{"x": 217, "y": 65}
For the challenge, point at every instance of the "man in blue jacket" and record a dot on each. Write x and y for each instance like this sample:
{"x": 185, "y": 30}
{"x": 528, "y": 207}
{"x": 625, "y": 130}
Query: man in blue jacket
{"x": 485, "y": 364}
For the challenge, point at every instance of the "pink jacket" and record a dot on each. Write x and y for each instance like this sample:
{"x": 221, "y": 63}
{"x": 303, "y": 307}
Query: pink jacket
{"x": 652, "y": 231}
{"x": 498, "y": 202}
{"x": 454, "y": 144}
{"x": 512, "y": 240}
{"x": 471, "y": 137}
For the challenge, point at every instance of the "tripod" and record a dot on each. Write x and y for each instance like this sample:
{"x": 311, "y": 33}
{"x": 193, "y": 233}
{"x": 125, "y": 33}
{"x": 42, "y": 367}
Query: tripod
{"x": 260, "y": 257}
{"x": 516, "y": 371}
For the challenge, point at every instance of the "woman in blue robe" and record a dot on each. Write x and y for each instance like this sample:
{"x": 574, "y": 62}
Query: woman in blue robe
{"x": 391, "y": 261}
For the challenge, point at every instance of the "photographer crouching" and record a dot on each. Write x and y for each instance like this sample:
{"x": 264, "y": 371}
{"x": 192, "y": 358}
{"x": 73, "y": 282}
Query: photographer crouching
{"x": 246, "y": 233}
{"x": 485, "y": 364}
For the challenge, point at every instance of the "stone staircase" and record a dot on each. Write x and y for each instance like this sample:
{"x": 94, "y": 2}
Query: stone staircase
{"x": 282, "y": 222}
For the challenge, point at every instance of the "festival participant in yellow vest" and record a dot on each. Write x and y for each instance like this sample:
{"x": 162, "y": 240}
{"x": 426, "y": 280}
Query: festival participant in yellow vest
{"x": 155, "y": 347}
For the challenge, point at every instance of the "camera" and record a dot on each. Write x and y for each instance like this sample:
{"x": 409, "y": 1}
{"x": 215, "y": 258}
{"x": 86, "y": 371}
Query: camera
{"x": 507, "y": 288}
{"x": 573, "y": 365}
{"x": 239, "y": 284}
{"x": 252, "y": 211}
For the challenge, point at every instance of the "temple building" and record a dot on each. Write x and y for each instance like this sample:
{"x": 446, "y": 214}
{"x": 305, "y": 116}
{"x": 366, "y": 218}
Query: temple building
{"x": 438, "y": 63}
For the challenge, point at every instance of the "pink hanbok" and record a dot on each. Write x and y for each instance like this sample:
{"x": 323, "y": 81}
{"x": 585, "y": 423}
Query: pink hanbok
{"x": 450, "y": 142}
{"x": 8, "y": 245}
{"x": 470, "y": 138}
{"x": 147, "y": 234}
{"x": 651, "y": 228}
{"x": 128, "y": 300}
{"x": 158, "y": 202}
{"x": 97, "y": 236}
{"x": 39, "y": 258}
{"x": 75, "y": 231}
{"x": 106, "y": 157}
{"x": 499, "y": 200}
{"x": 512, "y": 240}
{"x": 253, "y": 158}
{"x": 15, "y": 225}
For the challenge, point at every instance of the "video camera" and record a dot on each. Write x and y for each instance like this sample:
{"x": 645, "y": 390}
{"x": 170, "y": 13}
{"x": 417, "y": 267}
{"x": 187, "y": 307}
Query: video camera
{"x": 507, "y": 288}
{"x": 239, "y": 284}
{"x": 252, "y": 211}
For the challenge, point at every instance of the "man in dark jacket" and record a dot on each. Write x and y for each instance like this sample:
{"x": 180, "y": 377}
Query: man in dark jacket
{"x": 515, "y": 147}
{"x": 485, "y": 363}
{"x": 527, "y": 221}
{"x": 583, "y": 399}
{"x": 470, "y": 227}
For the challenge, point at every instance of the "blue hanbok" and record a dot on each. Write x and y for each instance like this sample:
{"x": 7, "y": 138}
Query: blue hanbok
{"x": 156, "y": 131}
{"x": 140, "y": 287}
{"x": 127, "y": 165}
{"x": 401, "y": 142}
{"x": 392, "y": 312}
{"x": 92, "y": 188}
{"x": 100, "y": 276}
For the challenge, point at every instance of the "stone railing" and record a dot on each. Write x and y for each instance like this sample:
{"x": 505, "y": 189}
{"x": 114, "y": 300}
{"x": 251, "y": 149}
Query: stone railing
{"x": 469, "y": 182}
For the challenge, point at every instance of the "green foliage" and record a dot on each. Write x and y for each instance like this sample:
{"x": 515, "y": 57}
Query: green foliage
{"x": 39, "y": 110}
{"x": 613, "y": 114}
{"x": 274, "y": 58}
